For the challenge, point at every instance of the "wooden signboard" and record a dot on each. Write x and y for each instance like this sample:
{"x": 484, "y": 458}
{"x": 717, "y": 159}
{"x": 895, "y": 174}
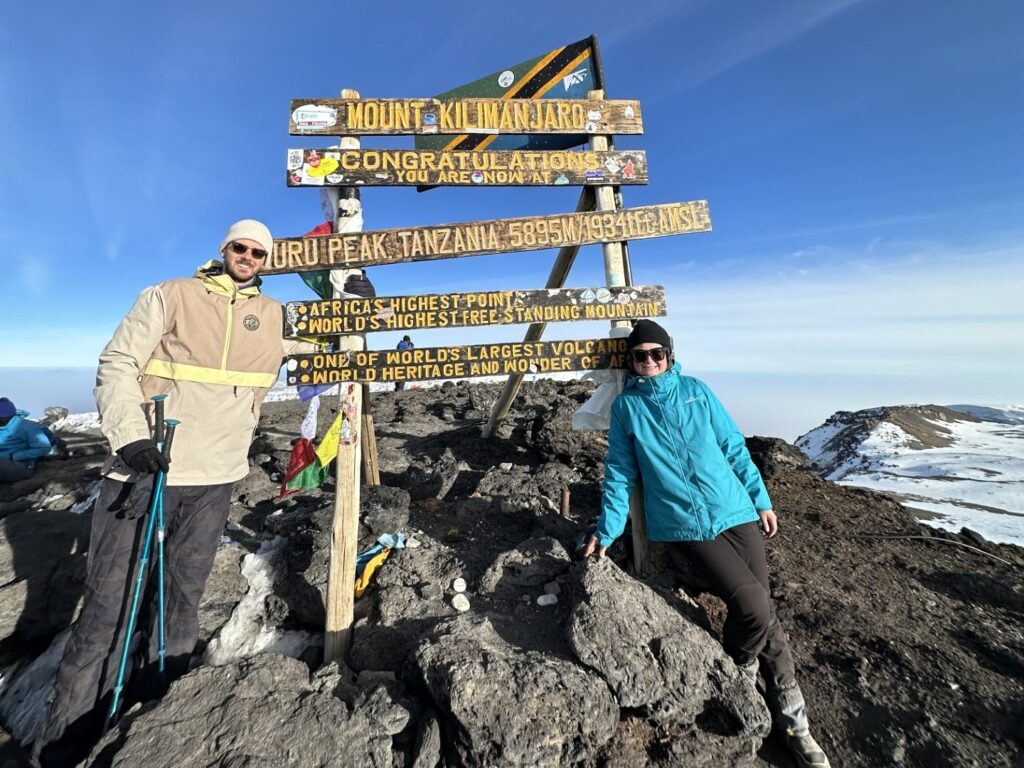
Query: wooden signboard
{"x": 448, "y": 241}
{"x": 386, "y": 117}
{"x": 456, "y": 362}
{"x": 333, "y": 317}
{"x": 396, "y": 167}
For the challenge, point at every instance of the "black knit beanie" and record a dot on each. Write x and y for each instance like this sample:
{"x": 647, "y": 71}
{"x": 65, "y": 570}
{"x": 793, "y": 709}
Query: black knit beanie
{"x": 648, "y": 331}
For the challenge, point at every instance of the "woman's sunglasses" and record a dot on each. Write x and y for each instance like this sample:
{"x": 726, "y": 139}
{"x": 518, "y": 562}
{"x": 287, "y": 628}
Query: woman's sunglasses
{"x": 657, "y": 354}
{"x": 238, "y": 248}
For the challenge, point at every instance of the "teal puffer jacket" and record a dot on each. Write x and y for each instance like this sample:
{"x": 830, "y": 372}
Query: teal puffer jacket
{"x": 22, "y": 439}
{"x": 698, "y": 479}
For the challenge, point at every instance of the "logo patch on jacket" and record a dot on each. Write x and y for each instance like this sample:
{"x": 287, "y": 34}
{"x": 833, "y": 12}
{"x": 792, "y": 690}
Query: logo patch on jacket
{"x": 250, "y": 322}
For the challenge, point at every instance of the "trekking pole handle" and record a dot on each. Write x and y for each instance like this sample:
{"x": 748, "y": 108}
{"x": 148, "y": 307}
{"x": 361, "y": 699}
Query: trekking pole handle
{"x": 158, "y": 418}
{"x": 171, "y": 425}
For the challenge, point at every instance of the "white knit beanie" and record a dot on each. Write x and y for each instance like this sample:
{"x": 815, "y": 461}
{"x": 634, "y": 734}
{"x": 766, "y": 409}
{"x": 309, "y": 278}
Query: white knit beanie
{"x": 248, "y": 229}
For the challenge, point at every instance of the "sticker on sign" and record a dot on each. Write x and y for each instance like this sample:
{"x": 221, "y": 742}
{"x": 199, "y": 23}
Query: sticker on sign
{"x": 312, "y": 116}
{"x": 574, "y": 78}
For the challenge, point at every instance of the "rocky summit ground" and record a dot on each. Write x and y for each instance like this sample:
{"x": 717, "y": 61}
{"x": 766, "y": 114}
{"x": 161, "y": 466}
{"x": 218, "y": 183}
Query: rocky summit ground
{"x": 908, "y": 640}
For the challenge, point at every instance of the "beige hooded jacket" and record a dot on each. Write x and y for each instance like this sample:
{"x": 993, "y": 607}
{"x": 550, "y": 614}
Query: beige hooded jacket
{"x": 214, "y": 350}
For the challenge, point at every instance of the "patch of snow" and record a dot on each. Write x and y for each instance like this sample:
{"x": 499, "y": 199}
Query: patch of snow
{"x": 86, "y": 504}
{"x": 248, "y": 631}
{"x": 977, "y": 481}
{"x": 77, "y": 422}
{"x": 815, "y": 443}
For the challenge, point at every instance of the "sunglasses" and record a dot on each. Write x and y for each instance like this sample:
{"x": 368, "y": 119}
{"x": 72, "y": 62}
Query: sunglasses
{"x": 238, "y": 248}
{"x": 657, "y": 354}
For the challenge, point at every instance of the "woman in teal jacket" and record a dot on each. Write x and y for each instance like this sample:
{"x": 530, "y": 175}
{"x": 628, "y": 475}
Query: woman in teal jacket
{"x": 22, "y": 441}
{"x": 701, "y": 492}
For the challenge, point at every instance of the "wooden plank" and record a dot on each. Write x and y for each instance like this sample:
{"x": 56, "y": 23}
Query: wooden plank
{"x": 331, "y": 317}
{"x": 424, "y": 363}
{"x": 476, "y": 238}
{"x": 371, "y": 467}
{"x": 409, "y": 167}
{"x": 341, "y": 571}
{"x": 389, "y": 117}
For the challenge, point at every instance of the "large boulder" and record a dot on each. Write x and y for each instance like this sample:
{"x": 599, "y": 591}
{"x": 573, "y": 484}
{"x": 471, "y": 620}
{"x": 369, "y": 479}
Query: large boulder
{"x": 654, "y": 658}
{"x": 263, "y": 711}
{"x": 504, "y": 706}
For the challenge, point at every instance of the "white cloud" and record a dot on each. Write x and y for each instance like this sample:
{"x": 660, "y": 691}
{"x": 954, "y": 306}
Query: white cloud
{"x": 886, "y": 308}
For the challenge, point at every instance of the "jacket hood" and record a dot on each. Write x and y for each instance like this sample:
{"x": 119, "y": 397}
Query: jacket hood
{"x": 216, "y": 280}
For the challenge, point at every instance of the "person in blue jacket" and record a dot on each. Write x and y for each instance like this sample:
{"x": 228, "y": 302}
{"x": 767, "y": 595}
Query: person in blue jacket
{"x": 22, "y": 441}
{"x": 702, "y": 492}
{"x": 405, "y": 343}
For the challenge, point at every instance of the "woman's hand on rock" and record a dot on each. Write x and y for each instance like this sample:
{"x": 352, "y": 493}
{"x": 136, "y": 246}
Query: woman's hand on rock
{"x": 592, "y": 546}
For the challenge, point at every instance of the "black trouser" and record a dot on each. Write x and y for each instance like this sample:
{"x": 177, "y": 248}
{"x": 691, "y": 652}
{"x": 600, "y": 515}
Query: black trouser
{"x": 735, "y": 563}
{"x": 194, "y": 519}
{"x": 12, "y": 470}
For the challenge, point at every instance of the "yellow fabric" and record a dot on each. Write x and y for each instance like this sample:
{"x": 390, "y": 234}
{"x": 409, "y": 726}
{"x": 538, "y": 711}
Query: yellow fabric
{"x": 327, "y": 451}
{"x": 185, "y": 372}
{"x": 369, "y": 569}
{"x": 222, "y": 284}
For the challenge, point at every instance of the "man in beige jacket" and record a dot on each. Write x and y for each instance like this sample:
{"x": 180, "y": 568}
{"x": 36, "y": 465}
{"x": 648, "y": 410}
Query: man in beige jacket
{"x": 212, "y": 344}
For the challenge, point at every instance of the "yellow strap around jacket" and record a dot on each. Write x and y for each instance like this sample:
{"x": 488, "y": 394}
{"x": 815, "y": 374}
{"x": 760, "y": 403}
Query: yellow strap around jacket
{"x": 185, "y": 372}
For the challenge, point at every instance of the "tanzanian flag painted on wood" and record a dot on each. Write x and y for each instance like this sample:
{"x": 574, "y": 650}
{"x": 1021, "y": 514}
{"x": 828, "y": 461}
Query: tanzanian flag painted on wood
{"x": 564, "y": 73}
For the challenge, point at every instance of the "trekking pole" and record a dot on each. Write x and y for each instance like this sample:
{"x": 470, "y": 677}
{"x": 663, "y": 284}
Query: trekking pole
{"x": 171, "y": 425}
{"x": 155, "y": 506}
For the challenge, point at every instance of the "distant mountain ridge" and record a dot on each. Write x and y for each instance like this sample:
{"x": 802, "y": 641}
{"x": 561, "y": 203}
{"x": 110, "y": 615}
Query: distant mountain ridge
{"x": 961, "y": 464}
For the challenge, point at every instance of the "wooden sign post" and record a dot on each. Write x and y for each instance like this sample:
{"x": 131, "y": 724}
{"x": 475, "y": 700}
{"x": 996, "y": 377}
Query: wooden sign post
{"x": 523, "y": 142}
{"x": 616, "y": 267}
{"x": 329, "y": 317}
{"x": 478, "y": 238}
{"x": 462, "y": 362}
{"x": 345, "y": 523}
{"x": 410, "y": 167}
{"x": 392, "y": 117}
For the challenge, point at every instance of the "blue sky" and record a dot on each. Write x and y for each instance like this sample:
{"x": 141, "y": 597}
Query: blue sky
{"x": 862, "y": 162}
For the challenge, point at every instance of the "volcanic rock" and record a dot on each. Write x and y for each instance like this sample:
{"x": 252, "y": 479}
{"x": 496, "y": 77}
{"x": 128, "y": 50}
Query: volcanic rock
{"x": 507, "y": 707}
{"x": 655, "y": 659}
{"x": 261, "y": 711}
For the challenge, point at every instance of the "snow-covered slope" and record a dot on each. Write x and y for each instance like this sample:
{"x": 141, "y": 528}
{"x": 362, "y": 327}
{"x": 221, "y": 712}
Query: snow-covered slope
{"x": 961, "y": 465}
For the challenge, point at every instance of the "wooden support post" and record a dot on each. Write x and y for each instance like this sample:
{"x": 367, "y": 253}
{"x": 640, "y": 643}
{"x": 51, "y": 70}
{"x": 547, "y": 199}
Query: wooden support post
{"x": 371, "y": 469}
{"x": 559, "y": 272}
{"x": 615, "y": 269}
{"x": 617, "y": 272}
{"x": 341, "y": 575}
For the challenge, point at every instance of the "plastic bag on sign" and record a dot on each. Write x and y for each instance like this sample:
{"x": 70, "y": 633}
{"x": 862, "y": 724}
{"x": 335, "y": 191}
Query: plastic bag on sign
{"x": 595, "y": 413}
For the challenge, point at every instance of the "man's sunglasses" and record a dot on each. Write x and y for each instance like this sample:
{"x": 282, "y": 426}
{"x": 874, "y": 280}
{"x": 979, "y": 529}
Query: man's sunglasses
{"x": 657, "y": 354}
{"x": 238, "y": 248}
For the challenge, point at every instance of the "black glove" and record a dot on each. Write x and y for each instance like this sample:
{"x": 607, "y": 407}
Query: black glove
{"x": 142, "y": 456}
{"x": 360, "y": 285}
